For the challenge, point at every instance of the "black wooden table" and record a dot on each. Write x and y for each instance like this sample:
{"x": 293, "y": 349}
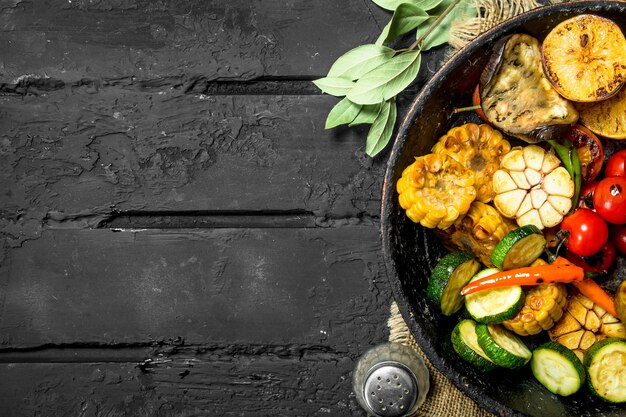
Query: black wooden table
{"x": 180, "y": 235}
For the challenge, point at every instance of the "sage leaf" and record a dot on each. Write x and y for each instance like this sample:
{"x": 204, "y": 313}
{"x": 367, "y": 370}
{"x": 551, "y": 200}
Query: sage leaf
{"x": 389, "y": 4}
{"x": 367, "y": 115}
{"x": 386, "y": 80}
{"x": 427, "y": 4}
{"x": 360, "y": 60}
{"x": 382, "y": 128}
{"x": 335, "y": 86}
{"x": 343, "y": 113}
{"x": 441, "y": 33}
{"x": 394, "y": 4}
{"x": 406, "y": 18}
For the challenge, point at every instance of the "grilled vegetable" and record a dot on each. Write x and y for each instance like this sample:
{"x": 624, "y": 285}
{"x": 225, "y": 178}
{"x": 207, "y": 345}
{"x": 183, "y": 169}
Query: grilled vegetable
{"x": 480, "y": 149}
{"x": 605, "y": 118}
{"x": 502, "y": 346}
{"x": 590, "y": 289}
{"x": 435, "y": 190}
{"x": 571, "y": 162}
{"x": 606, "y": 366}
{"x": 562, "y": 271}
{"x": 557, "y": 368}
{"x": 585, "y": 58}
{"x": 478, "y": 232}
{"x": 543, "y": 307}
{"x": 620, "y": 301}
{"x": 583, "y": 324}
{"x": 532, "y": 187}
{"x": 494, "y": 305}
{"x": 465, "y": 344}
{"x": 589, "y": 150}
{"x": 519, "y": 248}
{"x": 450, "y": 274}
{"x": 517, "y": 98}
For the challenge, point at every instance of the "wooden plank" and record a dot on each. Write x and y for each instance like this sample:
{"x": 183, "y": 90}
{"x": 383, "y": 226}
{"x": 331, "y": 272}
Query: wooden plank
{"x": 75, "y": 157}
{"x": 238, "y": 39}
{"x": 259, "y": 286}
{"x": 212, "y": 383}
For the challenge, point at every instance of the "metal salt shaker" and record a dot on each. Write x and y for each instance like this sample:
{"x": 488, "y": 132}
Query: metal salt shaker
{"x": 391, "y": 380}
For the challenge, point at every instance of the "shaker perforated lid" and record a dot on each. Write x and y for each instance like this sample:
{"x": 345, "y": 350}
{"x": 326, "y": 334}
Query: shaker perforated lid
{"x": 390, "y": 389}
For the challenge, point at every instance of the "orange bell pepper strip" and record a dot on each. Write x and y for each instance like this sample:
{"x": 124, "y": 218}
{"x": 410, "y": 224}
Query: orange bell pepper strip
{"x": 561, "y": 270}
{"x": 590, "y": 289}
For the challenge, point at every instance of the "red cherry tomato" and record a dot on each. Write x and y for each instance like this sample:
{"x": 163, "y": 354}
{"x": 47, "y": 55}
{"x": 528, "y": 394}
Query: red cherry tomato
{"x": 619, "y": 238}
{"x": 616, "y": 165}
{"x": 609, "y": 199}
{"x": 586, "y": 194}
{"x": 586, "y": 232}
{"x": 476, "y": 102}
{"x": 600, "y": 262}
{"x": 590, "y": 150}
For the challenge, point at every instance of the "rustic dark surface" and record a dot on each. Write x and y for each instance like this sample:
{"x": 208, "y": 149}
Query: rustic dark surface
{"x": 180, "y": 235}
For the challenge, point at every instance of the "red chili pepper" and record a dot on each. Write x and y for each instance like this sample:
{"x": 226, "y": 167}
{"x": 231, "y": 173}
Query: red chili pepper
{"x": 560, "y": 271}
{"x": 590, "y": 289}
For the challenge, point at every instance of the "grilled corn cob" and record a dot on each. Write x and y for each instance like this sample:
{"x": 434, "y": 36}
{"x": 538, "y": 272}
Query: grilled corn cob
{"x": 480, "y": 149}
{"x": 543, "y": 307}
{"x": 478, "y": 232}
{"x": 435, "y": 190}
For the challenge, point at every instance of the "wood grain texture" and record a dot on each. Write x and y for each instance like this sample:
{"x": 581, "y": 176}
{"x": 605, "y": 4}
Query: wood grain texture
{"x": 203, "y": 383}
{"x": 261, "y": 279}
{"x": 235, "y": 39}
{"x": 264, "y": 286}
{"x": 71, "y": 159}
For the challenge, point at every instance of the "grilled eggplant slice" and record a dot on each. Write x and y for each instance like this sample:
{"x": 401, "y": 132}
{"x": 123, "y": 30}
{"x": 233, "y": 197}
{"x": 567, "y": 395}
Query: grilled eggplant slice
{"x": 517, "y": 98}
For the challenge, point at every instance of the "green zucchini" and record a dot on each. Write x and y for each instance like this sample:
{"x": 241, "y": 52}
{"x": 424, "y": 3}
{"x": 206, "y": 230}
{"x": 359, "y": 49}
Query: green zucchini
{"x": 495, "y": 305}
{"x": 519, "y": 248}
{"x": 605, "y": 363}
{"x": 557, "y": 368}
{"x": 451, "y": 273}
{"x": 502, "y": 346}
{"x": 465, "y": 344}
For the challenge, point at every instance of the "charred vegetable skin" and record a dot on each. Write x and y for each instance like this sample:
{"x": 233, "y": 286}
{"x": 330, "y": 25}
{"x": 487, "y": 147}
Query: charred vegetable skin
{"x": 517, "y": 98}
{"x": 478, "y": 232}
{"x": 480, "y": 149}
{"x": 543, "y": 307}
{"x": 583, "y": 324}
{"x": 585, "y": 58}
{"x": 436, "y": 190}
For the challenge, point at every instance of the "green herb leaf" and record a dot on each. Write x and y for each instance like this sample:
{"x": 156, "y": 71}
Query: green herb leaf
{"x": 427, "y": 4}
{"x": 406, "y": 18}
{"x": 441, "y": 33}
{"x": 360, "y": 60}
{"x": 394, "y": 4}
{"x": 386, "y": 80}
{"x": 335, "y": 86}
{"x": 389, "y": 4}
{"x": 343, "y": 113}
{"x": 382, "y": 128}
{"x": 367, "y": 115}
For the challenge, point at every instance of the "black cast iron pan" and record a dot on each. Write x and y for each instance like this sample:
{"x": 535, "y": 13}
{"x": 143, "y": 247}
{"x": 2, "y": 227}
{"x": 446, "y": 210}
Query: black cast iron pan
{"x": 411, "y": 251}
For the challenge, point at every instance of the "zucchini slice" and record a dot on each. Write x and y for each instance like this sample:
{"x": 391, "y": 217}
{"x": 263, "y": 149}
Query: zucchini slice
{"x": 557, "y": 368}
{"x": 519, "y": 248}
{"x": 605, "y": 363}
{"x": 502, "y": 346}
{"x": 465, "y": 343}
{"x": 495, "y": 305}
{"x": 450, "y": 275}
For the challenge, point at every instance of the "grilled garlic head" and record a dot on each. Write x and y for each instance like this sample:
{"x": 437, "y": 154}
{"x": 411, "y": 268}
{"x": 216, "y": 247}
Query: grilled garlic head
{"x": 532, "y": 187}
